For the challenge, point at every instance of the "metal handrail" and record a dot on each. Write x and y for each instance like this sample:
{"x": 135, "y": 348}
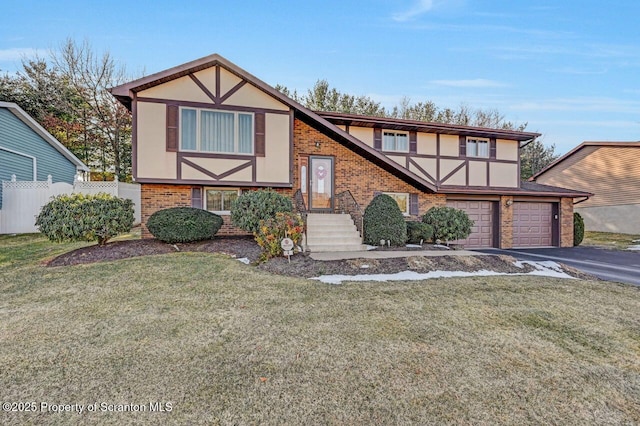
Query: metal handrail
{"x": 300, "y": 207}
{"x": 348, "y": 204}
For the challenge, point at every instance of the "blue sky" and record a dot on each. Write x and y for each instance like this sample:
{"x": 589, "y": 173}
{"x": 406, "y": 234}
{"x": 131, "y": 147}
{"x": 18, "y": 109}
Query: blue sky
{"x": 568, "y": 68}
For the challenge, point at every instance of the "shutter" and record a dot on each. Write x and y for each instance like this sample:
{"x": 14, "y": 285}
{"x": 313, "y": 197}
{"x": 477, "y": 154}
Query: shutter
{"x": 377, "y": 139}
{"x": 413, "y": 204}
{"x": 413, "y": 142}
{"x": 196, "y": 198}
{"x": 172, "y": 127}
{"x": 492, "y": 148}
{"x": 463, "y": 146}
{"x": 259, "y": 138}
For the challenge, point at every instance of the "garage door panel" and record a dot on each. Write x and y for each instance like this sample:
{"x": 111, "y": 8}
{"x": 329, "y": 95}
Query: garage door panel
{"x": 532, "y": 224}
{"x": 481, "y": 212}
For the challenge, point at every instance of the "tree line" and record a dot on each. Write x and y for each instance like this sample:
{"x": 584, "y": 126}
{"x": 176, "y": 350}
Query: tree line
{"x": 68, "y": 95}
{"x": 322, "y": 97}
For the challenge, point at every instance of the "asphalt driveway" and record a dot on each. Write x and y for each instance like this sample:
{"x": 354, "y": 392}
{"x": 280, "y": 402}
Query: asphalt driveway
{"x": 610, "y": 265}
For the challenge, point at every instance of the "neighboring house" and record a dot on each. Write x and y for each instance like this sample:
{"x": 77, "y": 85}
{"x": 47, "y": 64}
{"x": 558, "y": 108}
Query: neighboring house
{"x": 610, "y": 171}
{"x": 206, "y": 130}
{"x": 31, "y": 153}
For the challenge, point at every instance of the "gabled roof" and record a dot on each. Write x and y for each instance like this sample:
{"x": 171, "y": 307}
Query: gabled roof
{"x": 125, "y": 93}
{"x": 48, "y": 137}
{"x": 599, "y": 144}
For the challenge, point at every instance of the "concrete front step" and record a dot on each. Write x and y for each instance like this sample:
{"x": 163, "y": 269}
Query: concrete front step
{"x": 321, "y": 248}
{"x": 332, "y": 232}
{"x": 329, "y": 219}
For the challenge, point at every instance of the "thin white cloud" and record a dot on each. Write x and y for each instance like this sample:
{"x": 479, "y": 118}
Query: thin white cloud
{"x": 17, "y": 53}
{"x": 420, "y": 7}
{"x": 585, "y": 103}
{"x": 475, "y": 83}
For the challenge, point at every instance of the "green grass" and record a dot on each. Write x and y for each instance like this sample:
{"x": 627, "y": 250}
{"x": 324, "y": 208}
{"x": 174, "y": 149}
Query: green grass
{"x": 610, "y": 240}
{"x": 227, "y": 344}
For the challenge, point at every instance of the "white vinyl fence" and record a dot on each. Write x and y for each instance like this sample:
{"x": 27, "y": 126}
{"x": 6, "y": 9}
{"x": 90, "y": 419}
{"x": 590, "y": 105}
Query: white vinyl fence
{"x": 23, "y": 200}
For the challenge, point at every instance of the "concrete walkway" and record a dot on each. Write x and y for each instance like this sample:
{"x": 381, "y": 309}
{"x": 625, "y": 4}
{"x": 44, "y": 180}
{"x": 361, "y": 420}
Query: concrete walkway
{"x": 384, "y": 254}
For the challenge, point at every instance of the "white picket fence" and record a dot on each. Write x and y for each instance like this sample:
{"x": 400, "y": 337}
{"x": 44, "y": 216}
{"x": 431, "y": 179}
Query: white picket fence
{"x": 23, "y": 200}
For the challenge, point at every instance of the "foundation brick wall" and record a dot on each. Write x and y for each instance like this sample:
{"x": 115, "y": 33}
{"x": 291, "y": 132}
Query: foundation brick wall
{"x": 154, "y": 197}
{"x": 566, "y": 222}
{"x": 353, "y": 172}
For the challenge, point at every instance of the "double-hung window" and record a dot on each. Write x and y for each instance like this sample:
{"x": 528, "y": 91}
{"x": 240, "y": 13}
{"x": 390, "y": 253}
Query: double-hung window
{"x": 220, "y": 200}
{"x": 205, "y": 130}
{"x": 395, "y": 141}
{"x": 478, "y": 148}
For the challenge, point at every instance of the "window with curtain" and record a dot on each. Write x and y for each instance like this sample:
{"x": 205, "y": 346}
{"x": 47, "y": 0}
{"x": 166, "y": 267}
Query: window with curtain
{"x": 216, "y": 131}
{"x": 478, "y": 148}
{"x": 402, "y": 198}
{"x": 394, "y": 141}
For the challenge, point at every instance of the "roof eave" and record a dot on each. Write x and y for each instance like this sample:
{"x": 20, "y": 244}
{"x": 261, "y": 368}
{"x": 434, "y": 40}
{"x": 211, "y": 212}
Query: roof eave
{"x": 43, "y": 133}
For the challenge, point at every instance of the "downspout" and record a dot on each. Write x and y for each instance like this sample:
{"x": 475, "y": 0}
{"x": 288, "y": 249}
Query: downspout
{"x": 527, "y": 142}
{"x": 581, "y": 201}
{"x": 33, "y": 159}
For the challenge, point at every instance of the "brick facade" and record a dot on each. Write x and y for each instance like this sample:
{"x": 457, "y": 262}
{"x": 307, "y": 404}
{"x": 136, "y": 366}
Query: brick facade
{"x": 352, "y": 171}
{"x": 506, "y": 222}
{"x": 566, "y": 222}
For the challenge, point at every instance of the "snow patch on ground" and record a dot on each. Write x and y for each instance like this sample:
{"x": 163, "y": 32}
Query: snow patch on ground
{"x": 414, "y": 246}
{"x": 546, "y": 268}
{"x": 244, "y": 260}
{"x": 636, "y": 248}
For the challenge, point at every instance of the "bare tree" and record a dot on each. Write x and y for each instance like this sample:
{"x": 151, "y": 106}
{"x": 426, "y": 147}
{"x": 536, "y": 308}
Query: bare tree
{"x": 105, "y": 120}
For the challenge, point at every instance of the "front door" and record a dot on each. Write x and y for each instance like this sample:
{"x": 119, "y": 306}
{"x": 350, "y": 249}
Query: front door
{"x": 321, "y": 183}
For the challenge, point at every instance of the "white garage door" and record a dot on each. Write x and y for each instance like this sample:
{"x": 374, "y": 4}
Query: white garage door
{"x": 481, "y": 212}
{"x": 532, "y": 224}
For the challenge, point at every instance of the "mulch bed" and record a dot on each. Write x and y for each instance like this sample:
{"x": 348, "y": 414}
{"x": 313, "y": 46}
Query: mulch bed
{"x": 301, "y": 265}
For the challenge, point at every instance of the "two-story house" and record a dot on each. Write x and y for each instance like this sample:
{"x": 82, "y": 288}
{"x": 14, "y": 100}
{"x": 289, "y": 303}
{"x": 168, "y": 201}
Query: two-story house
{"x": 207, "y": 130}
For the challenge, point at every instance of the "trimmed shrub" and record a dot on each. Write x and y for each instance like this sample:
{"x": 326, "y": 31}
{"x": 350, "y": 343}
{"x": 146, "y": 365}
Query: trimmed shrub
{"x": 448, "y": 224}
{"x": 183, "y": 225}
{"x": 578, "y": 229}
{"x": 80, "y": 217}
{"x": 271, "y": 232}
{"x": 383, "y": 220}
{"x": 251, "y": 207}
{"x": 418, "y": 231}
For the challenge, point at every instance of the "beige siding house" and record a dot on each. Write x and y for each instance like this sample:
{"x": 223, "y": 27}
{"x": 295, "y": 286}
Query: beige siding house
{"x": 609, "y": 170}
{"x": 207, "y": 130}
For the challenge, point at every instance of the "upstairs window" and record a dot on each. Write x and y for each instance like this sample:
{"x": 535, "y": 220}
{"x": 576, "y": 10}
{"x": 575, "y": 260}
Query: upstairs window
{"x": 478, "y": 148}
{"x": 216, "y": 131}
{"x": 395, "y": 141}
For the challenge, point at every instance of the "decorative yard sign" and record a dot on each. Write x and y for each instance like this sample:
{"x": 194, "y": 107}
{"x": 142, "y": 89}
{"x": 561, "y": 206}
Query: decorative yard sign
{"x": 287, "y": 247}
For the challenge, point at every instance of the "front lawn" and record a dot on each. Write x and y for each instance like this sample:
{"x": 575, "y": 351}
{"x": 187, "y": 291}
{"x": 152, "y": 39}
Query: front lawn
{"x": 225, "y": 343}
{"x": 610, "y": 240}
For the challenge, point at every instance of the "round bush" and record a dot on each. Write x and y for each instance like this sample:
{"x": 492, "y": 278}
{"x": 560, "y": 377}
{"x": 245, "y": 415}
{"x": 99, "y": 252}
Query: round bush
{"x": 80, "y": 217}
{"x": 448, "y": 224}
{"x": 578, "y": 229}
{"x": 183, "y": 225}
{"x": 251, "y": 207}
{"x": 418, "y": 231}
{"x": 383, "y": 220}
